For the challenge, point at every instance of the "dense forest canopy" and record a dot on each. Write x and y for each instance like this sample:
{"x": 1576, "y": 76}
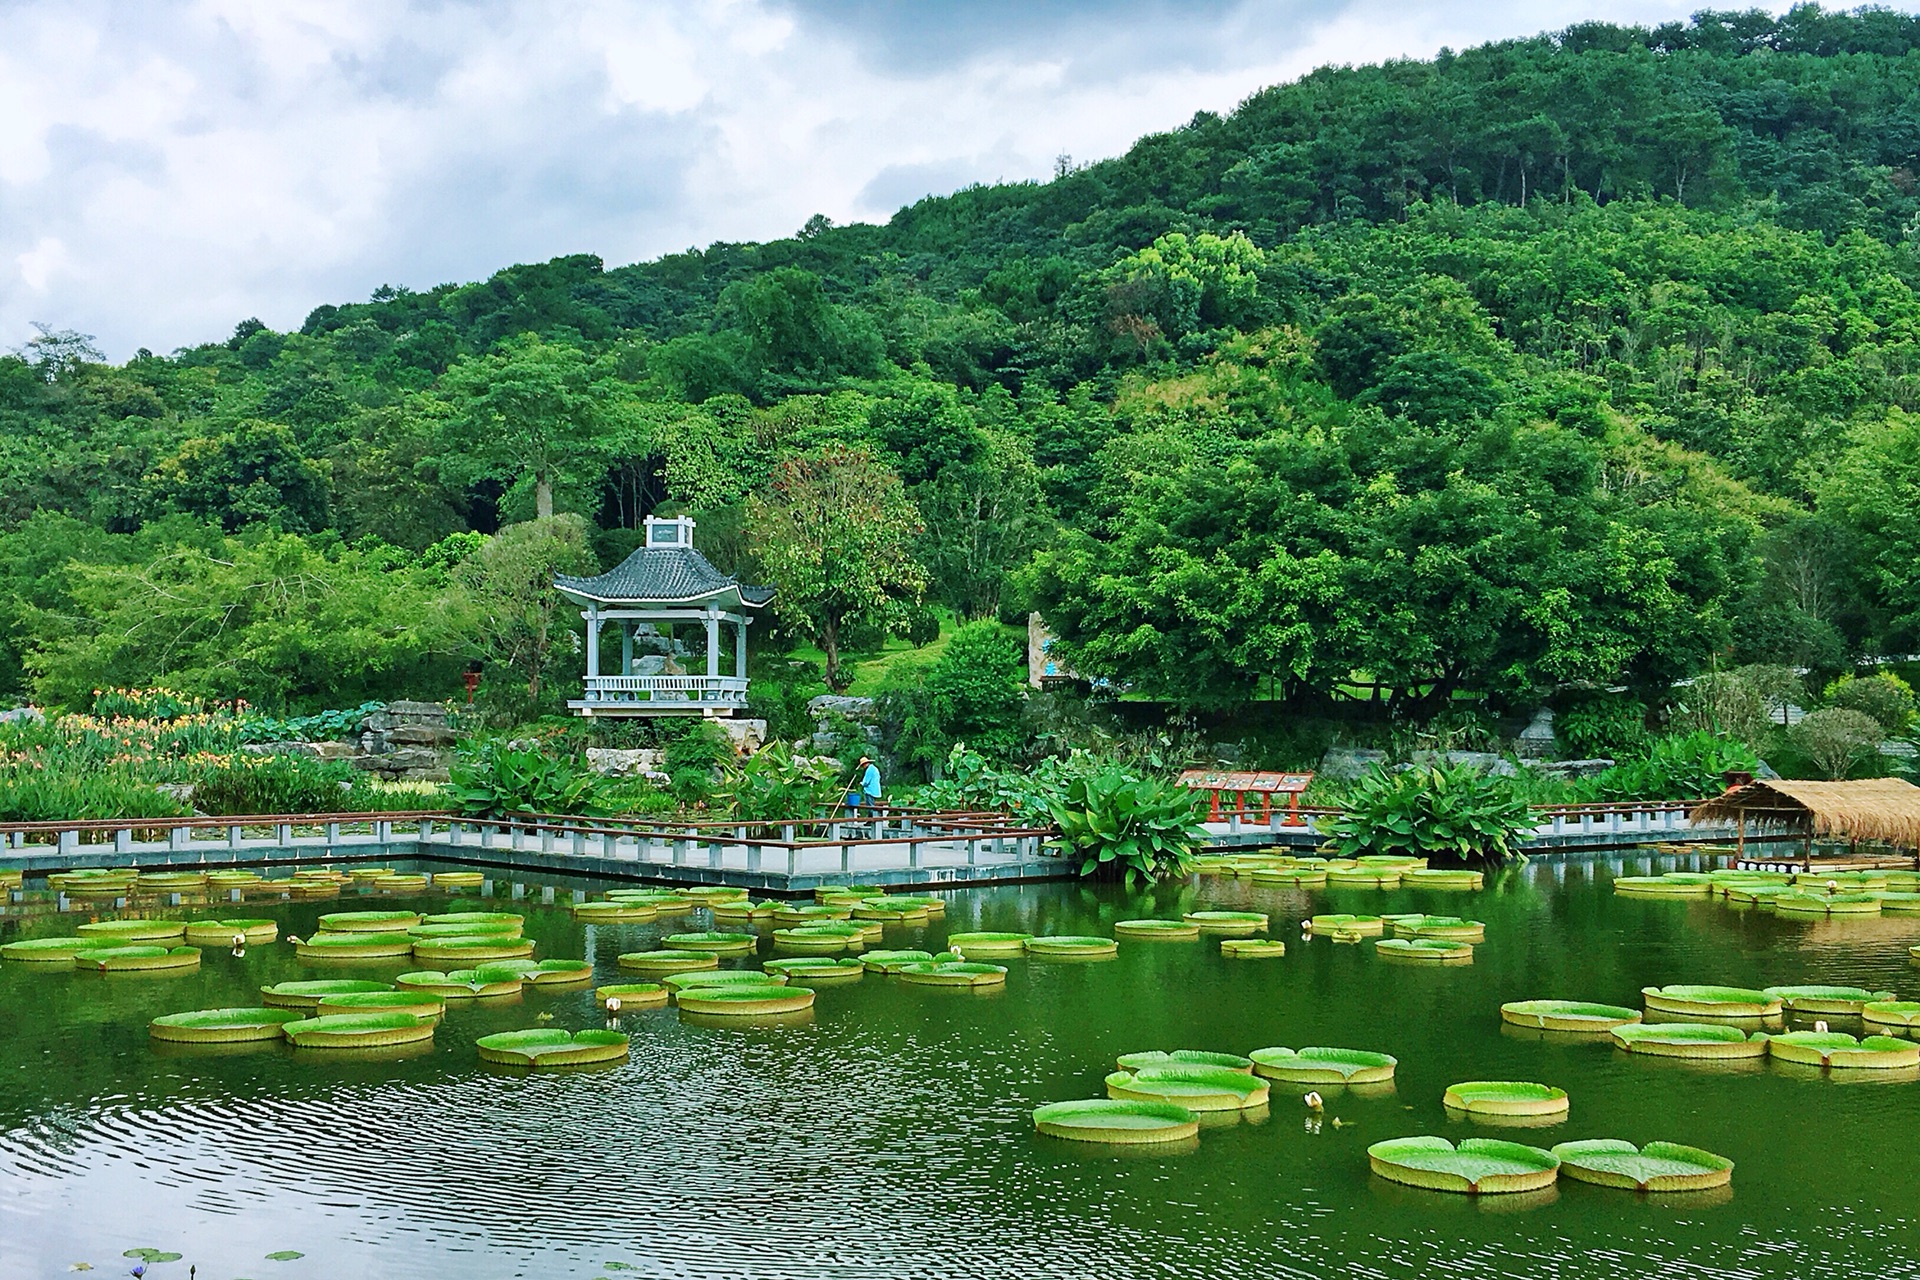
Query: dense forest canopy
{"x": 1574, "y": 361}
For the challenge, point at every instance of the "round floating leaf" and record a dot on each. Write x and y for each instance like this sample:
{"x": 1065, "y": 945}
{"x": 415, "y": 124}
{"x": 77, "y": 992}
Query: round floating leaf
{"x": 1195, "y": 1088}
{"x": 1117, "y": 1121}
{"x": 137, "y": 959}
{"x": 1506, "y": 1098}
{"x": 1342, "y": 922}
{"x": 679, "y": 982}
{"x": 462, "y": 984}
{"x": 1442, "y": 878}
{"x": 1074, "y": 946}
{"x": 1567, "y": 1015}
{"x": 743, "y": 1001}
{"x": 471, "y": 949}
{"x": 1843, "y": 1001}
{"x": 1482, "y": 1166}
{"x": 1903, "y": 1015}
{"x": 358, "y": 1030}
{"x": 658, "y": 962}
{"x": 1446, "y": 928}
{"x": 1711, "y": 1002}
{"x": 1660, "y": 887}
{"x": 557, "y": 973}
{"x": 478, "y": 929}
{"x": 354, "y": 946}
{"x": 307, "y": 995}
{"x": 552, "y": 1047}
{"x": 221, "y": 1026}
{"x": 1232, "y": 924}
{"x": 987, "y": 944}
{"x": 725, "y": 944}
{"x": 1253, "y": 948}
{"x": 618, "y": 912}
{"x": 109, "y": 932}
{"x": 1301, "y": 877}
{"x": 1689, "y": 1040}
{"x": 1823, "y": 904}
{"x": 58, "y": 951}
{"x": 1658, "y": 1166}
{"x": 1425, "y": 950}
{"x": 285, "y": 1255}
{"x": 1357, "y": 877}
{"x": 952, "y": 974}
{"x": 1843, "y": 1052}
{"x": 217, "y": 933}
{"x": 633, "y": 995}
{"x": 886, "y": 961}
{"x": 369, "y": 921}
{"x": 1321, "y": 1064}
{"x": 1184, "y": 1058}
{"x": 818, "y": 970}
{"x": 421, "y": 1004}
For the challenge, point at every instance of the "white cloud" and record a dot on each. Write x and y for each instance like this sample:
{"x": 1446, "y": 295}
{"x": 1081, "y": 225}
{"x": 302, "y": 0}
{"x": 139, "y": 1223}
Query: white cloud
{"x": 170, "y": 168}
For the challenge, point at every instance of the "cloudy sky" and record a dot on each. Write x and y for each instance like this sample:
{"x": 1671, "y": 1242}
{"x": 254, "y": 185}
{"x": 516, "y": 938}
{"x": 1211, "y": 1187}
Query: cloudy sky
{"x": 169, "y": 167}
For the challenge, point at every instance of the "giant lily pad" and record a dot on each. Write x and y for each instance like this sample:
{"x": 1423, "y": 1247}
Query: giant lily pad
{"x": 709, "y": 894}
{"x": 822, "y": 939}
{"x": 1341, "y": 922}
{"x": 1319, "y": 1064}
{"x": 986, "y": 944}
{"x": 458, "y": 879}
{"x": 936, "y": 908}
{"x": 57, "y": 951}
{"x": 1228, "y": 924}
{"x": 1252, "y": 948}
{"x": 888, "y": 913}
{"x": 1072, "y": 946}
{"x": 1299, "y": 877}
{"x": 554, "y": 973}
{"x": 1478, "y": 1166}
{"x": 958, "y": 973}
{"x": 421, "y": 1004}
{"x": 1697, "y": 1040}
{"x": 1117, "y": 1121}
{"x": 475, "y": 929}
{"x": 811, "y": 913}
{"x": 1892, "y": 1015}
{"x": 358, "y": 1030}
{"x": 1825, "y": 904}
{"x": 1567, "y": 1015}
{"x": 471, "y": 949}
{"x": 633, "y": 995}
{"x": 481, "y": 983}
{"x": 742, "y": 911}
{"x": 1660, "y": 887}
{"x": 307, "y": 995}
{"x": 1157, "y": 930}
{"x": 1711, "y": 1002}
{"x": 223, "y": 933}
{"x": 1840, "y": 1001}
{"x": 107, "y": 933}
{"x": 720, "y": 944}
{"x": 1842, "y": 1052}
{"x": 1359, "y": 877}
{"x": 354, "y": 946}
{"x": 818, "y": 970}
{"x": 659, "y": 962}
{"x": 1192, "y": 1087}
{"x": 1425, "y": 950}
{"x": 890, "y": 961}
{"x": 678, "y": 982}
{"x": 1446, "y": 928}
{"x": 1447, "y": 878}
{"x": 369, "y": 921}
{"x": 552, "y": 1047}
{"x": 745, "y": 1001}
{"x": 221, "y": 1026}
{"x": 615, "y": 912}
{"x": 1185, "y": 1058}
{"x": 135, "y": 959}
{"x": 1510, "y": 1098}
{"x": 1658, "y": 1166}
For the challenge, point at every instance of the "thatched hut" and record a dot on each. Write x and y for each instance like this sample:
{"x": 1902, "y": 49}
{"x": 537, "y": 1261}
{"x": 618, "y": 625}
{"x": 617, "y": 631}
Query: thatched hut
{"x": 1878, "y": 810}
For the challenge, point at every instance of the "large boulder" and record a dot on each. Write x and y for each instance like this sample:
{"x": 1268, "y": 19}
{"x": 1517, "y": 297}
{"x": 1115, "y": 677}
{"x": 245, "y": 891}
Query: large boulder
{"x": 616, "y": 762}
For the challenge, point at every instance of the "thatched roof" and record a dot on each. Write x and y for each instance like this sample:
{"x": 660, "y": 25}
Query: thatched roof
{"x": 1884, "y": 809}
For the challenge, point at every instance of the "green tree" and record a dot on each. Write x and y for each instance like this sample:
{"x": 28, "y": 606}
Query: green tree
{"x": 973, "y": 693}
{"x": 834, "y": 529}
{"x": 510, "y": 613}
{"x": 530, "y": 409}
{"x": 253, "y": 472}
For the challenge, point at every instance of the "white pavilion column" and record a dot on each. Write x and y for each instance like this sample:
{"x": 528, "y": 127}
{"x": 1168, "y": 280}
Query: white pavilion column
{"x": 713, "y": 643}
{"x": 593, "y": 647}
{"x": 740, "y": 648}
{"x": 626, "y": 648}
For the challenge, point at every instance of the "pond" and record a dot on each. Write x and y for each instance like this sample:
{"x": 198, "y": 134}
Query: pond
{"x": 891, "y": 1136}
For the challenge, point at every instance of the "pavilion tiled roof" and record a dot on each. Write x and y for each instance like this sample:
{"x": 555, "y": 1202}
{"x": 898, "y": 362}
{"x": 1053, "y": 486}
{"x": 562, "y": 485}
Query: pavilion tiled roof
{"x": 654, "y": 575}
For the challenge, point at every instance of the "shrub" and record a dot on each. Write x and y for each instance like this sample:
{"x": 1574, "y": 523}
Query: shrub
{"x": 323, "y": 726}
{"x": 498, "y": 780}
{"x": 1680, "y": 767}
{"x": 1882, "y": 695}
{"x": 1117, "y": 822}
{"x": 974, "y": 693}
{"x": 1603, "y": 726}
{"x": 245, "y": 783}
{"x": 1838, "y": 740}
{"x": 1430, "y": 811}
{"x": 777, "y": 785}
{"x": 783, "y": 705}
{"x": 702, "y": 747}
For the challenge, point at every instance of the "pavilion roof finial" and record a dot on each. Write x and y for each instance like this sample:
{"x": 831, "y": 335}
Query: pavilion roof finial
{"x": 672, "y": 531}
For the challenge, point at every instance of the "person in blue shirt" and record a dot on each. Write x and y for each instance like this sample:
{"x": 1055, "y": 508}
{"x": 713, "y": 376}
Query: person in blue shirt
{"x": 865, "y": 791}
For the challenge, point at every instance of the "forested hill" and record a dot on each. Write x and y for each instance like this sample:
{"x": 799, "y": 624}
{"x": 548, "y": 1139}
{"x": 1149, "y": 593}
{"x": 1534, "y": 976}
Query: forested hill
{"x": 1572, "y": 360}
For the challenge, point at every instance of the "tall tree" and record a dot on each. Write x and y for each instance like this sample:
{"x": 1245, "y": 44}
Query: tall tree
{"x": 529, "y": 408}
{"x": 834, "y": 530}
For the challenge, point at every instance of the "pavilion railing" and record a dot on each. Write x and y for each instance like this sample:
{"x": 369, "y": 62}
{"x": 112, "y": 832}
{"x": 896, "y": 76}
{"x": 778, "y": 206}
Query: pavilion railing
{"x": 721, "y": 691}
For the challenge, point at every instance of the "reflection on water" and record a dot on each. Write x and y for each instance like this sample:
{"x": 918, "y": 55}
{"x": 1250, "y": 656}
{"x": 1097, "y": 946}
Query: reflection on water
{"x": 886, "y": 1131}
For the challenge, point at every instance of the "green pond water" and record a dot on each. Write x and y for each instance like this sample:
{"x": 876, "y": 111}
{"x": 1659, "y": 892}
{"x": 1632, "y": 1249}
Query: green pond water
{"x": 890, "y": 1135}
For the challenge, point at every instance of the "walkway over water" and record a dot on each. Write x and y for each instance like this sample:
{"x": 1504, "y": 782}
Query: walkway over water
{"x": 896, "y": 848}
